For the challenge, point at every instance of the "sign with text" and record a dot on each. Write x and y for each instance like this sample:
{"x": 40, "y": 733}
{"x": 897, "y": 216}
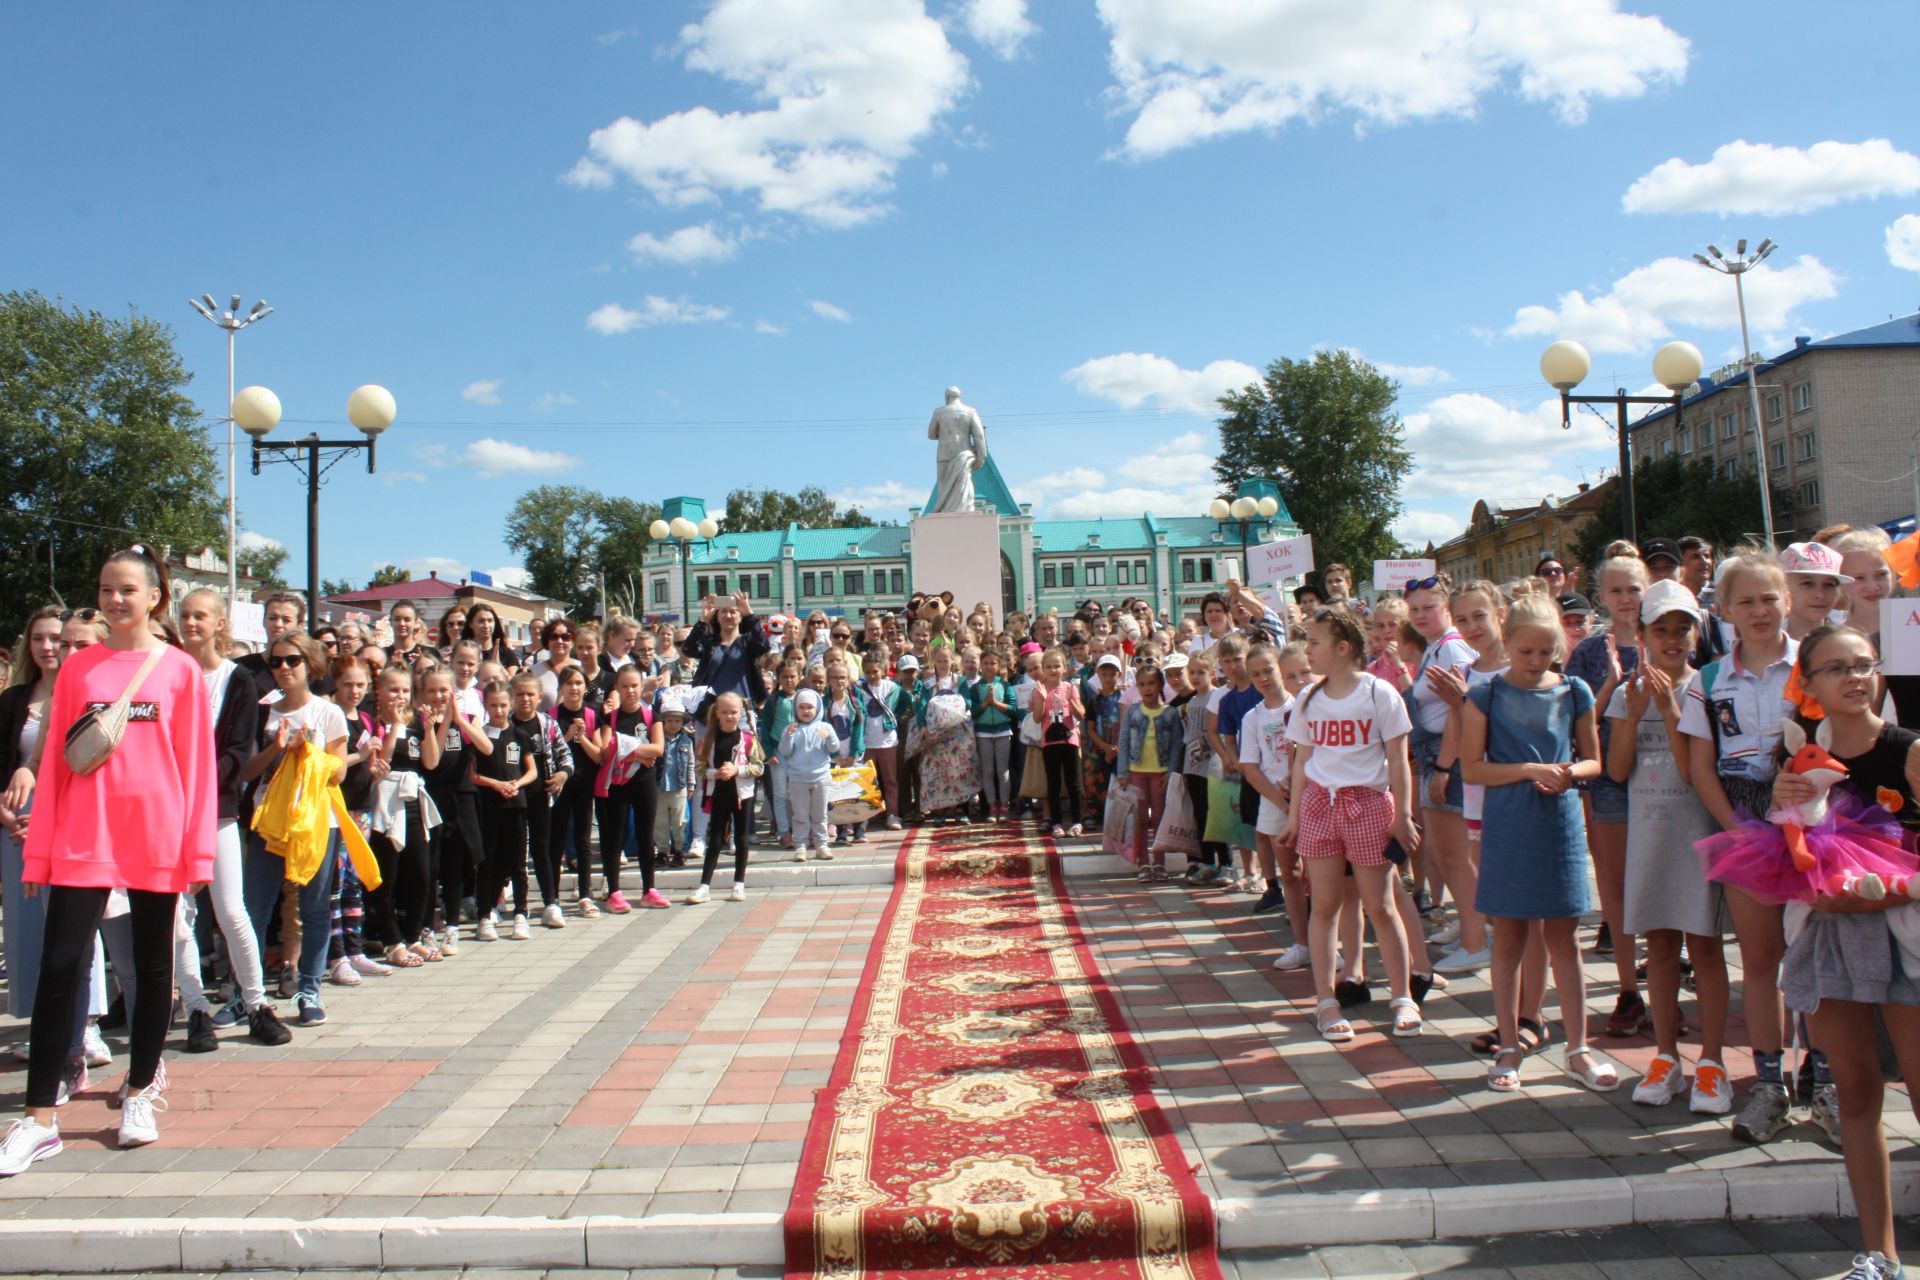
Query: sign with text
{"x": 1394, "y": 575}
{"x": 1227, "y": 569}
{"x": 1900, "y": 637}
{"x": 250, "y": 622}
{"x": 1278, "y": 561}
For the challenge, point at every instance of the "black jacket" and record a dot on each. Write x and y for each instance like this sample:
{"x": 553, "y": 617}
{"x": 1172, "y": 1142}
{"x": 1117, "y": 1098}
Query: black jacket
{"x": 13, "y": 717}
{"x": 234, "y": 738}
{"x": 750, "y": 646}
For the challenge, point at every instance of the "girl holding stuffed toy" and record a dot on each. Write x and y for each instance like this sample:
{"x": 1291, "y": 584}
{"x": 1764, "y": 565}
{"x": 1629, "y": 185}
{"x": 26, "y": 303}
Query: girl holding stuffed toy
{"x": 1855, "y": 957}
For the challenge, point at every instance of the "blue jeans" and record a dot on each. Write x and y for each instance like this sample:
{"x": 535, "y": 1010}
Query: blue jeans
{"x": 776, "y": 788}
{"x": 262, "y": 875}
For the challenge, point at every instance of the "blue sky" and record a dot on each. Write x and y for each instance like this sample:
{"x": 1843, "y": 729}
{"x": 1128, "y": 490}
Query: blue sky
{"x": 669, "y": 248}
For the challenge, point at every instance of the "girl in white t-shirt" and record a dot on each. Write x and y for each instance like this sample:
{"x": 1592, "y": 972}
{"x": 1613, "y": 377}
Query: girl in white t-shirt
{"x": 1353, "y": 791}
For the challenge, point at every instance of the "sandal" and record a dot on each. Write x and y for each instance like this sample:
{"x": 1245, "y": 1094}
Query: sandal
{"x": 401, "y": 958}
{"x": 1504, "y": 1079}
{"x": 1059, "y": 832}
{"x": 1484, "y": 1043}
{"x": 1406, "y": 1016}
{"x": 1599, "y": 1074}
{"x": 1337, "y": 1030}
{"x": 1534, "y": 1036}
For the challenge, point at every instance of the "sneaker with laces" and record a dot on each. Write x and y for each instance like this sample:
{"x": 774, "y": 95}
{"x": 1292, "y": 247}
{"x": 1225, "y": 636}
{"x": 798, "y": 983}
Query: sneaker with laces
{"x": 1445, "y": 936}
{"x": 343, "y": 974}
{"x": 521, "y": 930}
{"x": 800, "y": 853}
{"x": 739, "y": 893}
{"x": 1825, "y": 1111}
{"x": 264, "y": 1025}
{"x": 823, "y": 854}
{"x": 449, "y": 942}
{"x": 137, "y": 1110}
{"x": 200, "y": 1037}
{"x": 1271, "y": 900}
{"x": 230, "y": 1015}
{"x": 486, "y": 930}
{"x": 654, "y": 900}
{"x": 1296, "y": 956}
{"x": 1629, "y": 1016}
{"x": 553, "y": 917}
{"x": 93, "y": 1046}
{"x": 26, "y": 1142}
{"x": 311, "y": 1012}
{"x": 617, "y": 903}
{"x": 367, "y": 966}
{"x": 701, "y": 893}
{"x": 1767, "y": 1112}
{"x": 1712, "y": 1091}
{"x": 1663, "y": 1082}
{"x": 1873, "y": 1266}
{"x": 1461, "y": 960}
{"x": 73, "y": 1080}
{"x": 589, "y": 910}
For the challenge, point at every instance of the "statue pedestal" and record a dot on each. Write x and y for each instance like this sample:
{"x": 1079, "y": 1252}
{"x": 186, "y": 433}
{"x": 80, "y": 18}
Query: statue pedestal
{"x": 958, "y": 551}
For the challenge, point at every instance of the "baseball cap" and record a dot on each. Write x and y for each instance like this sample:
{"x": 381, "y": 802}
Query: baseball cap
{"x": 1173, "y": 662}
{"x": 907, "y": 663}
{"x": 1108, "y": 660}
{"x": 1574, "y": 602}
{"x": 1662, "y": 598}
{"x": 1653, "y": 548}
{"x": 1813, "y": 557}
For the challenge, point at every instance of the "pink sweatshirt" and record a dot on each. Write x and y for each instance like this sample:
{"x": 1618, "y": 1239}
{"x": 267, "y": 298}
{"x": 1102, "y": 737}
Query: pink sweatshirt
{"x": 146, "y": 818}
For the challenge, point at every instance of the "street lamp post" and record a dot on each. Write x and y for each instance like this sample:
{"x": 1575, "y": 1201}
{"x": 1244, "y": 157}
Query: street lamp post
{"x": 371, "y": 409}
{"x": 1737, "y": 267}
{"x": 681, "y": 534}
{"x": 1245, "y": 512}
{"x": 232, "y": 322}
{"x": 1676, "y": 367}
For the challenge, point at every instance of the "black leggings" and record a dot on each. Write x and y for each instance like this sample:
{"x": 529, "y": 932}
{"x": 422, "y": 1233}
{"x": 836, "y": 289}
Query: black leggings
{"x": 541, "y": 844}
{"x": 571, "y": 826}
{"x": 1063, "y": 773}
{"x": 397, "y": 910}
{"x": 728, "y": 811}
{"x": 504, "y": 831}
{"x": 635, "y": 798}
{"x": 456, "y": 851}
{"x": 73, "y": 916}
{"x": 1213, "y": 853}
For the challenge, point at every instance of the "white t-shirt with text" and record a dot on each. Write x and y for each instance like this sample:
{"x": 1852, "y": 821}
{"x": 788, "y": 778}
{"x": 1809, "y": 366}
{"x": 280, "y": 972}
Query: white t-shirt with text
{"x": 1349, "y": 735}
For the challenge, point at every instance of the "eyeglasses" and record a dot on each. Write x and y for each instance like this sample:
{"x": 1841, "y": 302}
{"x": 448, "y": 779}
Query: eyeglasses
{"x": 285, "y": 660}
{"x": 1854, "y": 670}
{"x": 328, "y": 642}
{"x": 1553, "y": 571}
{"x": 558, "y": 635}
{"x": 1423, "y": 584}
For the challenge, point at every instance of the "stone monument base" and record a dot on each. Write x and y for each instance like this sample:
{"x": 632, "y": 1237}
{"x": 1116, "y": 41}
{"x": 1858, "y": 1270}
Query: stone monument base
{"x": 958, "y": 551}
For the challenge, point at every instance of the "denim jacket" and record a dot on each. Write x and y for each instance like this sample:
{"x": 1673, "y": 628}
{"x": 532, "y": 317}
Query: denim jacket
{"x": 676, "y": 765}
{"x": 1169, "y": 734}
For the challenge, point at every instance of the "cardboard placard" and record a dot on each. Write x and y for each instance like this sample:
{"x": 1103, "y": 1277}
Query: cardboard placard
{"x": 250, "y": 622}
{"x": 1278, "y": 561}
{"x": 1394, "y": 575}
{"x": 1227, "y": 569}
{"x": 1900, "y": 637}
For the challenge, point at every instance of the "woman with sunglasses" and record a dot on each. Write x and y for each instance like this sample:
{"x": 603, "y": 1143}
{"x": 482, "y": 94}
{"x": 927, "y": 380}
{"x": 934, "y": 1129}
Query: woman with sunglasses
{"x": 453, "y": 629}
{"x": 558, "y": 640}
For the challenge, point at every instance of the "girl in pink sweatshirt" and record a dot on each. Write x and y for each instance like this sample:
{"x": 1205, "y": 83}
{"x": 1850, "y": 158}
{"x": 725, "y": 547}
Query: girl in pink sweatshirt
{"x": 144, "y": 822}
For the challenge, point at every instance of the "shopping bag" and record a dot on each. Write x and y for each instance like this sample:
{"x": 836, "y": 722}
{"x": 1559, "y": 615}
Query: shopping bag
{"x": 1123, "y": 811}
{"x": 1033, "y": 776}
{"x": 1223, "y": 811}
{"x": 853, "y": 794}
{"x": 1178, "y": 833}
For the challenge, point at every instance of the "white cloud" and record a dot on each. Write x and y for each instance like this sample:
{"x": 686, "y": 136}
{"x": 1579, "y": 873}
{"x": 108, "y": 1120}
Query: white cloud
{"x": 1001, "y": 25}
{"x": 889, "y": 497}
{"x": 1133, "y": 378}
{"x": 1643, "y": 307}
{"x": 445, "y": 568}
{"x": 251, "y": 541}
{"x": 850, "y": 87}
{"x": 1082, "y": 493}
{"x": 769, "y": 327}
{"x": 1413, "y": 375}
{"x": 1184, "y": 462}
{"x": 827, "y": 311}
{"x": 1757, "y": 177}
{"x": 551, "y": 400}
{"x": 689, "y": 246}
{"x": 431, "y": 455}
{"x": 492, "y": 458}
{"x": 1903, "y": 242}
{"x": 654, "y": 310}
{"x": 1198, "y": 69}
{"x": 1417, "y": 528}
{"x": 392, "y": 478}
{"x": 481, "y": 391}
{"x": 1468, "y": 446}
{"x": 509, "y": 575}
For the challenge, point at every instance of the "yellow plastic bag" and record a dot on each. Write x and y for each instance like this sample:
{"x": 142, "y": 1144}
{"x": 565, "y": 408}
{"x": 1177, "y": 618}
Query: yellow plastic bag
{"x": 292, "y": 816}
{"x": 853, "y": 794}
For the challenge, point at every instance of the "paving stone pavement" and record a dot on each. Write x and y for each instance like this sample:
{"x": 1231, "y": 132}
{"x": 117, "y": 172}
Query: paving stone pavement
{"x": 667, "y": 1062}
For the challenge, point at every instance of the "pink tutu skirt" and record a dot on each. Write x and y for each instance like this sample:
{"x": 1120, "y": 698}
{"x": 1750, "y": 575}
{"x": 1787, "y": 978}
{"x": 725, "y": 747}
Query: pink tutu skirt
{"x": 1853, "y": 839}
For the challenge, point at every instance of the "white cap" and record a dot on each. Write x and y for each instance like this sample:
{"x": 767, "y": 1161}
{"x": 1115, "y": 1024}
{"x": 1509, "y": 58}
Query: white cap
{"x": 1814, "y": 558}
{"x": 1662, "y": 598}
{"x": 907, "y": 663}
{"x": 1109, "y": 660}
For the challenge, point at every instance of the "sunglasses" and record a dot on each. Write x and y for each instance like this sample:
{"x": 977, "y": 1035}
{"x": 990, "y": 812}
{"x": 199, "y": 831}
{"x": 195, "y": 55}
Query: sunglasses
{"x": 1422, "y": 584}
{"x": 85, "y": 615}
{"x": 285, "y": 660}
{"x": 1553, "y": 571}
{"x": 558, "y": 635}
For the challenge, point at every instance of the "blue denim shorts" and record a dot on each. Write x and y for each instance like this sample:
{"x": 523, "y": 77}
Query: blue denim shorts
{"x": 1609, "y": 801}
{"x": 1456, "y": 790}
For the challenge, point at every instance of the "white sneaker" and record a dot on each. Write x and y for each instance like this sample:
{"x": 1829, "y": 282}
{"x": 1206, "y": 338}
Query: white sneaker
{"x": 94, "y": 1046}
{"x": 588, "y": 909}
{"x": 553, "y": 917}
{"x": 1460, "y": 960}
{"x": 1445, "y": 936}
{"x": 22, "y": 1051}
{"x": 696, "y": 850}
{"x": 1297, "y": 956}
{"x": 485, "y": 931}
{"x": 520, "y": 930}
{"x": 27, "y": 1141}
{"x": 739, "y": 893}
{"x": 137, "y": 1124}
{"x": 823, "y": 854}
{"x": 700, "y": 894}
{"x": 1712, "y": 1091}
{"x": 799, "y": 853}
{"x": 450, "y": 942}
{"x": 1664, "y": 1081}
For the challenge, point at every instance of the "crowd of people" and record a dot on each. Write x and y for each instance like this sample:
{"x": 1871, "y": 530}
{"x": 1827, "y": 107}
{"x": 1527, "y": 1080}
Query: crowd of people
{"x": 1464, "y": 771}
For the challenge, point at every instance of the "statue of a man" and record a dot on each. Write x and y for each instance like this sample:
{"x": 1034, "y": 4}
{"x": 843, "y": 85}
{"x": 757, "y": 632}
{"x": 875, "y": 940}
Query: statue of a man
{"x": 962, "y": 451}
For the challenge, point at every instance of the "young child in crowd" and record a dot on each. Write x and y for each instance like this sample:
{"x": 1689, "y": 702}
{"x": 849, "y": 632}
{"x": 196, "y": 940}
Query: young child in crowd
{"x": 1201, "y": 767}
{"x": 1100, "y": 732}
{"x": 847, "y": 717}
{"x": 674, "y": 778}
{"x": 729, "y": 764}
{"x": 1150, "y": 747}
{"x": 1265, "y": 766}
{"x": 1236, "y": 698}
{"x": 573, "y": 809}
{"x": 991, "y": 704}
{"x": 809, "y": 747}
{"x": 880, "y": 710}
{"x": 503, "y": 768}
{"x": 776, "y": 713}
{"x": 1055, "y": 703}
{"x": 555, "y": 760}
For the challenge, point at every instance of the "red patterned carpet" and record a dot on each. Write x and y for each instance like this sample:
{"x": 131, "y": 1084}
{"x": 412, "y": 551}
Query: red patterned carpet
{"x": 989, "y": 1115}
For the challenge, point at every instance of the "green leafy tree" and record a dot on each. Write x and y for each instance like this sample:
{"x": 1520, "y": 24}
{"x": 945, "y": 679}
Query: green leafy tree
{"x": 103, "y": 447}
{"x": 388, "y": 576}
{"x": 624, "y": 537}
{"x": 762, "y": 509}
{"x": 556, "y": 530}
{"x": 336, "y": 587}
{"x": 1673, "y": 497}
{"x": 1324, "y": 430}
{"x": 268, "y": 563}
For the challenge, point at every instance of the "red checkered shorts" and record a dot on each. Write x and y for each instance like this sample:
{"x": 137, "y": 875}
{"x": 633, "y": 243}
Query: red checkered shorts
{"x": 1353, "y": 824}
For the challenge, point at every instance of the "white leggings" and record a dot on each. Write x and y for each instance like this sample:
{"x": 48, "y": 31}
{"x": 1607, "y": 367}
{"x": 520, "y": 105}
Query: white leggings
{"x": 230, "y": 911}
{"x": 807, "y": 807}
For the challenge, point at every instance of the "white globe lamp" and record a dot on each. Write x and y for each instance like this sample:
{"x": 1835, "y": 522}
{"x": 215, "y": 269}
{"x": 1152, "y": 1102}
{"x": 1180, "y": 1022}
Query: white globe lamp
{"x": 1269, "y": 506}
{"x": 1677, "y": 365}
{"x": 659, "y": 530}
{"x": 371, "y": 408}
{"x": 1244, "y": 508}
{"x": 709, "y": 528}
{"x": 256, "y": 410}
{"x": 682, "y": 528}
{"x": 1218, "y": 509}
{"x": 1565, "y": 364}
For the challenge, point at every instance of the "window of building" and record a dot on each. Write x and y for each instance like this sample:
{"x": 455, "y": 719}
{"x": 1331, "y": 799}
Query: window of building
{"x": 762, "y": 586}
{"x": 1139, "y": 573}
{"x": 1810, "y": 493}
{"x": 702, "y": 587}
{"x": 808, "y": 585}
{"x": 1777, "y": 454}
{"x": 1748, "y": 464}
{"x": 1804, "y": 447}
{"x": 1189, "y": 572}
{"x": 898, "y": 580}
{"x": 1096, "y": 575}
{"x": 853, "y": 582}
{"x": 1686, "y": 440}
{"x": 1122, "y": 573}
{"x": 1666, "y": 448}
{"x": 1802, "y": 397}
{"x": 1730, "y": 468}
{"x": 1776, "y": 407}
{"x": 1730, "y": 426}
{"x": 1049, "y": 574}
{"x": 1066, "y": 575}
{"x": 659, "y": 590}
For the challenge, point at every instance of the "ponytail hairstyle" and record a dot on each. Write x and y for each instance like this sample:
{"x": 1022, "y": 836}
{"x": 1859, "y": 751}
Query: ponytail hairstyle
{"x": 1754, "y": 563}
{"x": 224, "y": 629}
{"x": 1619, "y": 547}
{"x": 155, "y": 570}
{"x": 1535, "y": 611}
{"x": 1346, "y": 631}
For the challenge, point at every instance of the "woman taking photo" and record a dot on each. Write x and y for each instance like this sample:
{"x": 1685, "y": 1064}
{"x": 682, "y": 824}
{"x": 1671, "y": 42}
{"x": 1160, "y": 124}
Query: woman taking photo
{"x": 143, "y": 820}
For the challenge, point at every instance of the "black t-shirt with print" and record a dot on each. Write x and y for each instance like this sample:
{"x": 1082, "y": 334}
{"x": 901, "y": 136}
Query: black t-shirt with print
{"x": 508, "y": 763}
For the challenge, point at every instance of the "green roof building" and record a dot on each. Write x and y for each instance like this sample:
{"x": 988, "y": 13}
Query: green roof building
{"x": 1172, "y": 561}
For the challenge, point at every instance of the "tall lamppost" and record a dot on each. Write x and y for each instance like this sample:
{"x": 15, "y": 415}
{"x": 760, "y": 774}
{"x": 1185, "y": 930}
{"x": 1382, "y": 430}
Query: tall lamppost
{"x": 232, "y": 322}
{"x": 1245, "y": 512}
{"x": 372, "y": 410}
{"x": 1737, "y": 266}
{"x": 681, "y": 534}
{"x": 1676, "y": 367}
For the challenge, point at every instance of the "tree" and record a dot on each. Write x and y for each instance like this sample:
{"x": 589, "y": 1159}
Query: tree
{"x": 103, "y": 447}
{"x": 267, "y": 561}
{"x": 335, "y": 587}
{"x": 555, "y": 528}
{"x": 1324, "y": 430}
{"x": 1673, "y": 497}
{"x": 811, "y": 508}
{"x": 388, "y": 576}
{"x": 624, "y": 539}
